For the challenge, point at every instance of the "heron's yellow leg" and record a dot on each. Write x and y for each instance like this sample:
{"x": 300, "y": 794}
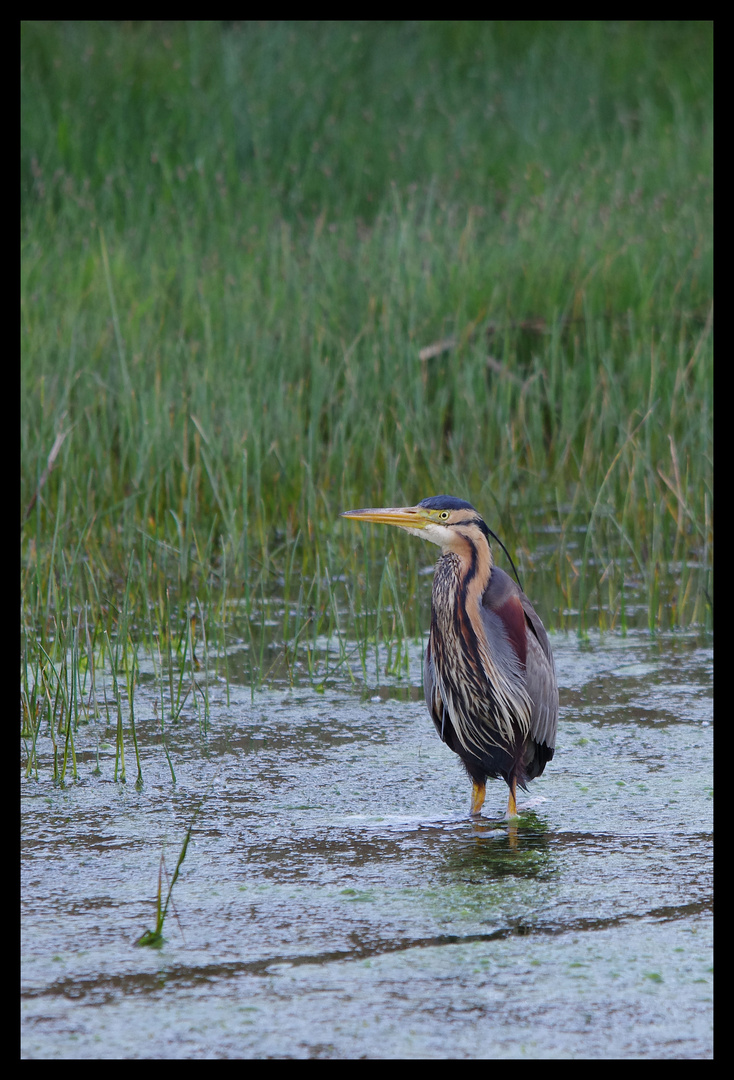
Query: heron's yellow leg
{"x": 511, "y": 803}
{"x": 477, "y": 797}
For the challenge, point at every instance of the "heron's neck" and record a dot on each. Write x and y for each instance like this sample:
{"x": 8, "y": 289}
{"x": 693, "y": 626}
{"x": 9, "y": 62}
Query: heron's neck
{"x": 461, "y": 577}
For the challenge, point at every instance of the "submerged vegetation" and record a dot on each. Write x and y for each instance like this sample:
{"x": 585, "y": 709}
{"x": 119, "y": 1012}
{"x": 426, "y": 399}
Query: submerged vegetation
{"x": 274, "y": 271}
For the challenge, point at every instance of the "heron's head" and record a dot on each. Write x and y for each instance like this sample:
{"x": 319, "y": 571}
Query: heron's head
{"x": 442, "y": 519}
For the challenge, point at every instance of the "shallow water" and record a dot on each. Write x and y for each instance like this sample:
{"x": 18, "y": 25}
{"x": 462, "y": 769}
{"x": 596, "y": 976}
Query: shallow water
{"x": 337, "y": 900}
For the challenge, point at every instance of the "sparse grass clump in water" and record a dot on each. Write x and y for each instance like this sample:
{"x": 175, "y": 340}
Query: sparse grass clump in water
{"x": 242, "y": 249}
{"x": 154, "y": 938}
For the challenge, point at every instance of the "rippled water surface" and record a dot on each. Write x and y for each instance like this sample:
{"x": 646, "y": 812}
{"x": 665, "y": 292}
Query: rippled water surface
{"x": 337, "y": 901}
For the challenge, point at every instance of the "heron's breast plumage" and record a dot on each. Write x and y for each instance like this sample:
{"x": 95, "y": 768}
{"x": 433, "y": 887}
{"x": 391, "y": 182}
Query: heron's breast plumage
{"x": 478, "y": 678}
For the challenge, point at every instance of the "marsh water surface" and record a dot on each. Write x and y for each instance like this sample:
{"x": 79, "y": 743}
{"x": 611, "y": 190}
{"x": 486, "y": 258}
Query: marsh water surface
{"x": 337, "y": 901}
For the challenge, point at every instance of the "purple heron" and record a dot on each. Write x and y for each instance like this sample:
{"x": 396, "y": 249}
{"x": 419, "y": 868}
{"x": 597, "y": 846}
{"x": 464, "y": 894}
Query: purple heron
{"x": 488, "y": 677}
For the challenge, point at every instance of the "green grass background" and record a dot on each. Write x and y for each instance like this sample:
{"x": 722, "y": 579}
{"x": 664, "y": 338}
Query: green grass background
{"x": 236, "y": 241}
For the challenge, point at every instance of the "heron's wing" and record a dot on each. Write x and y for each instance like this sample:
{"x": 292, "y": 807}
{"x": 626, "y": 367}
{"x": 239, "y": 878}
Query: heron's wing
{"x": 505, "y": 606}
{"x": 541, "y": 679}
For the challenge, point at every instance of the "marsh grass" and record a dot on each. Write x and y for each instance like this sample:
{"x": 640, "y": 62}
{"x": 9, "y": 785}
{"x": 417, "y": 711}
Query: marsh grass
{"x": 272, "y": 272}
{"x": 154, "y": 938}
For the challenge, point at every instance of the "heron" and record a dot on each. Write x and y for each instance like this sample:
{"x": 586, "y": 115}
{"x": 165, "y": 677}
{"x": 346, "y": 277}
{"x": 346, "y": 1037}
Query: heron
{"x": 489, "y": 680}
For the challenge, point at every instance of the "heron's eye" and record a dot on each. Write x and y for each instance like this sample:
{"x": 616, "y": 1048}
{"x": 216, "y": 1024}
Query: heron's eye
{"x": 444, "y": 515}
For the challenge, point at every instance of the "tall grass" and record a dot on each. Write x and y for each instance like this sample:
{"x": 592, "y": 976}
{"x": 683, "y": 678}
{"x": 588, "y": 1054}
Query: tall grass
{"x": 270, "y": 272}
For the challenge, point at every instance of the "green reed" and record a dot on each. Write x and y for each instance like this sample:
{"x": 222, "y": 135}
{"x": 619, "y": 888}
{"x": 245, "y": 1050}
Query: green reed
{"x": 273, "y": 272}
{"x": 154, "y": 938}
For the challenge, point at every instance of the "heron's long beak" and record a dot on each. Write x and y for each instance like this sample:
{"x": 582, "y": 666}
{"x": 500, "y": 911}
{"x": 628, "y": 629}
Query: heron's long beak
{"x": 407, "y": 517}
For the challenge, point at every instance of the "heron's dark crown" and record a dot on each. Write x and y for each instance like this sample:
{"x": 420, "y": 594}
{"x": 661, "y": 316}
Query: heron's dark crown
{"x": 445, "y": 502}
